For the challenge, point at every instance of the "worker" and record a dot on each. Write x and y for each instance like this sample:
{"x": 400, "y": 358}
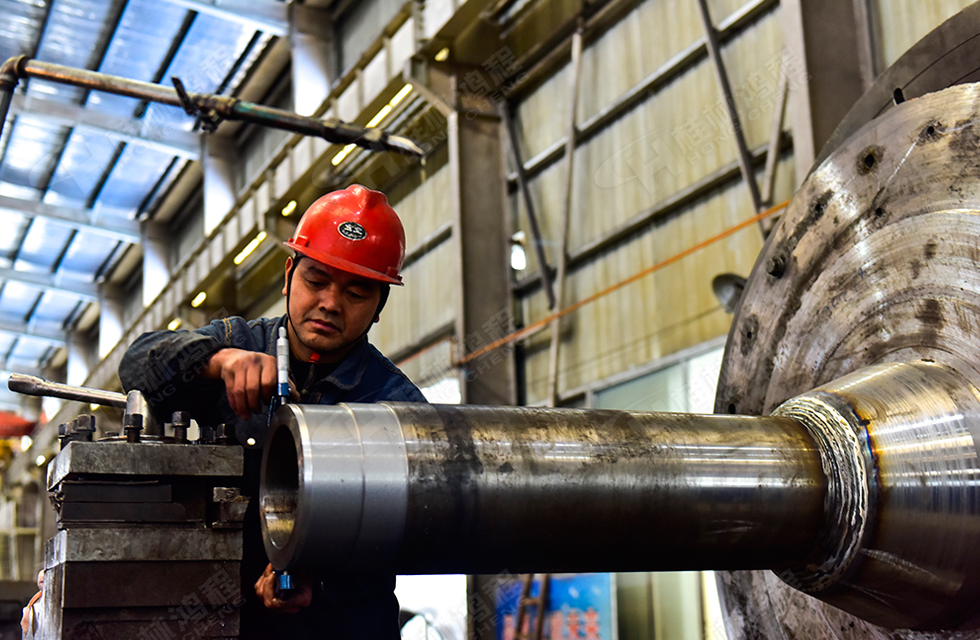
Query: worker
{"x": 348, "y": 250}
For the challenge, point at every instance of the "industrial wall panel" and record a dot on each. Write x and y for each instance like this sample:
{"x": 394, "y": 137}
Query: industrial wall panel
{"x": 542, "y": 118}
{"x": 283, "y": 176}
{"x": 435, "y": 13}
{"x": 430, "y": 366}
{"x": 426, "y": 303}
{"x": 626, "y": 54}
{"x": 650, "y": 154}
{"x": 376, "y": 75}
{"x": 231, "y": 233}
{"x": 216, "y": 250}
{"x": 261, "y": 144}
{"x": 754, "y": 61}
{"x": 677, "y": 137}
{"x": 248, "y": 214}
{"x": 263, "y": 198}
{"x": 402, "y": 46}
{"x": 660, "y": 314}
{"x": 302, "y": 156}
{"x": 903, "y": 23}
{"x": 362, "y": 24}
{"x": 349, "y": 102}
{"x": 720, "y": 9}
{"x": 426, "y": 208}
{"x": 546, "y": 195}
{"x": 187, "y": 237}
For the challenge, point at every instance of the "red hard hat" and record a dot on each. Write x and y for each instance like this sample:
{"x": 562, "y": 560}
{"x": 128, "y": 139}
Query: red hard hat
{"x": 354, "y": 230}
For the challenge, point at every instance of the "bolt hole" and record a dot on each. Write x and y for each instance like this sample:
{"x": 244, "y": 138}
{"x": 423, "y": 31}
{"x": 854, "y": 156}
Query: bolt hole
{"x": 869, "y": 160}
{"x": 749, "y": 335}
{"x": 930, "y": 130}
{"x": 731, "y": 408}
{"x": 879, "y": 212}
{"x": 898, "y": 95}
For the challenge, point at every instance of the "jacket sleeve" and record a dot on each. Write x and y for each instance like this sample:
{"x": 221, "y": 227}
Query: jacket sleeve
{"x": 166, "y": 366}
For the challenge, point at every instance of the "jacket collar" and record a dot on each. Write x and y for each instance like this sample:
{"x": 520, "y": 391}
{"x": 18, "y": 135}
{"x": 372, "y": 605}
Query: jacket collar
{"x": 348, "y": 373}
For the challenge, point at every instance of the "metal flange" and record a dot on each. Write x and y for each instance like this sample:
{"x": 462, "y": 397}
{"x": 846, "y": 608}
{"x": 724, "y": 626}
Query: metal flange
{"x": 881, "y": 253}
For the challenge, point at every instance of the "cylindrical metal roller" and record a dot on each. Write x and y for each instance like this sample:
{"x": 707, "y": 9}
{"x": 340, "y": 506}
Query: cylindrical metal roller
{"x": 864, "y": 493}
{"x": 432, "y": 489}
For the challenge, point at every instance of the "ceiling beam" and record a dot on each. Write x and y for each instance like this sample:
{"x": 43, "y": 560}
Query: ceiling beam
{"x": 57, "y": 283}
{"x": 57, "y": 338}
{"x": 269, "y": 16}
{"x": 137, "y": 131}
{"x": 80, "y": 219}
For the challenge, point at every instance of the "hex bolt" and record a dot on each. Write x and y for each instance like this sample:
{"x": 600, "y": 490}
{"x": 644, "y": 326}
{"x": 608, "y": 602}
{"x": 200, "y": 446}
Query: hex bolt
{"x": 776, "y": 266}
{"x": 85, "y": 427}
{"x": 207, "y": 435}
{"x": 225, "y": 433}
{"x": 132, "y": 425}
{"x": 180, "y": 420}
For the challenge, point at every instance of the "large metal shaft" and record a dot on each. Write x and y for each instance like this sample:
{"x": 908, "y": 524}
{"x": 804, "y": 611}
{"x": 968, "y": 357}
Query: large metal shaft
{"x": 864, "y": 493}
{"x": 429, "y": 489}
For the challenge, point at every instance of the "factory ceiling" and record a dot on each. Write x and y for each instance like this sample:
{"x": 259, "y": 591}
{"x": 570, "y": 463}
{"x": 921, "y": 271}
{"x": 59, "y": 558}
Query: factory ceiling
{"x": 80, "y": 169}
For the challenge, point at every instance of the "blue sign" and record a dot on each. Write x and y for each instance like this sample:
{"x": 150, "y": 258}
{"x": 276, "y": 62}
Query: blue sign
{"x": 579, "y": 607}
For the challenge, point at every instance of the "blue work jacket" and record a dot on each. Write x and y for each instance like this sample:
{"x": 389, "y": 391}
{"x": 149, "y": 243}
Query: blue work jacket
{"x": 166, "y": 367}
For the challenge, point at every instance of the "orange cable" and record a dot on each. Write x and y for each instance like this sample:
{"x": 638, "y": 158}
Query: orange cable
{"x": 534, "y": 327}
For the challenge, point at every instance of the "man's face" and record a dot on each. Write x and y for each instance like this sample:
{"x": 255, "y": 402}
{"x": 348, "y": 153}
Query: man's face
{"x": 329, "y": 309}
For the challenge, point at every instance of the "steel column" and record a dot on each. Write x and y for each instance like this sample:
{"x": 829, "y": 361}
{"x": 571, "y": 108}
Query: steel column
{"x": 823, "y": 54}
{"x": 480, "y": 234}
{"x": 314, "y": 63}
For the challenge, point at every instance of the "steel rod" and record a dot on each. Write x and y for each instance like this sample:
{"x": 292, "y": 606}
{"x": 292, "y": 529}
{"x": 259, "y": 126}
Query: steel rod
{"x": 532, "y": 218}
{"x": 744, "y": 158}
{"x": 775, "y": 137}
{"x": 562, "y": 257}
{"x": 208, "y": 105}
{"x": 34, "y": 386}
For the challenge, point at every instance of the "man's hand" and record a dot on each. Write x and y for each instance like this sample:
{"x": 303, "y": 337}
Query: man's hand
{"x": 265, "y": 589}
{"x": 250, "y": 378}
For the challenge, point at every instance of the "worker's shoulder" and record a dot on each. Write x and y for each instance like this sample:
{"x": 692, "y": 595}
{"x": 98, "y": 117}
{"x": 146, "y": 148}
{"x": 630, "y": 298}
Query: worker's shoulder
{"x": 396, "y": 385}
{"x": 244, "y": 334}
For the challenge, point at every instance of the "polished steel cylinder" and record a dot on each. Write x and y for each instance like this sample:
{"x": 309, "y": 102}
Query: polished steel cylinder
{"x": 900, "y": 543}
{"x": 461, "y": 489}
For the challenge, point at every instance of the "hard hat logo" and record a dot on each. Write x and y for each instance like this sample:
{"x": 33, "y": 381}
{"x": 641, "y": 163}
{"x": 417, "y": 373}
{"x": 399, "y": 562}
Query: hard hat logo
{"x": 334, "y": 231}
{"x": 352, "y": 231}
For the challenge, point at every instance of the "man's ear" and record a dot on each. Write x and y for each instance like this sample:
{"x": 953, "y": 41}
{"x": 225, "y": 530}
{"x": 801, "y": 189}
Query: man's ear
{"x": 289, "y": 266}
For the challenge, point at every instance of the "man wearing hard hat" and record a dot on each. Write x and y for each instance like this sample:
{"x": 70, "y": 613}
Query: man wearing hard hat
{"x": 348, "y": 250}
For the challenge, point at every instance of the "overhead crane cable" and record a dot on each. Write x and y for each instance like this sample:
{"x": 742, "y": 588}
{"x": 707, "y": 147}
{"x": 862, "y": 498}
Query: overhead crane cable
{"x": 540, "y": 324}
